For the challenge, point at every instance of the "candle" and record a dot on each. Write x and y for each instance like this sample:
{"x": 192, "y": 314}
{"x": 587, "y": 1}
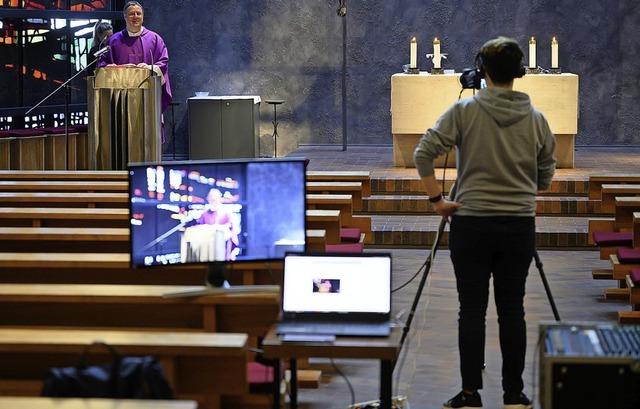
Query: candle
{"x": 414, "y": 53}
{"x": 532, "y": 53}
{"x": 436, "y": 53}
{"x": 554, "y": 53}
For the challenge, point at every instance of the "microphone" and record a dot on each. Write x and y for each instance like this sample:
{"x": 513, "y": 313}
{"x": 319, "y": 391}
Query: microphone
{"x": 101, "y": 51}
{"x": 153, "y": 73}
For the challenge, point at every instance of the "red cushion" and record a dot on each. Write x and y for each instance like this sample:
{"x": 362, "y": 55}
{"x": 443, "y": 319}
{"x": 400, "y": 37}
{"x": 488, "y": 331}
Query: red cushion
{"x": 629, "y": 256}
{"x": 350, "y": 234}
{"x": 608, "y": 238}
{"x": 635, "y": 276}
{"x": 26, "y": 132}
{"x": 58, "y": 130}
{"x": 259, "y": 377}
{"x": 344, "y": 248}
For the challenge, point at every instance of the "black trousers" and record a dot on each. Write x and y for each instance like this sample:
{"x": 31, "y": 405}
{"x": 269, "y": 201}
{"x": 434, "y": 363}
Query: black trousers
{"x": 482, "y": 247}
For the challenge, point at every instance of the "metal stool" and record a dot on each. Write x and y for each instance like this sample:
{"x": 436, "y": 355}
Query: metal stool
{"x": 275, "y": 103}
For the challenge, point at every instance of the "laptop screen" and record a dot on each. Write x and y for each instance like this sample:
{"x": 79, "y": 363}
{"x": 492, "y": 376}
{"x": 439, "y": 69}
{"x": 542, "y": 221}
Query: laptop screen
{"x": 337, "y": 283}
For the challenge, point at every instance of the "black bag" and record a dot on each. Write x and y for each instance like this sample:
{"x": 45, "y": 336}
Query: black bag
{"x": 122, "y": 378}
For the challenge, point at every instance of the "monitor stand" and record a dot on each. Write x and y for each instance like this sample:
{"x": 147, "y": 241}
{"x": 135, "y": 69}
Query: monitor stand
{"x": 217, "y": 284}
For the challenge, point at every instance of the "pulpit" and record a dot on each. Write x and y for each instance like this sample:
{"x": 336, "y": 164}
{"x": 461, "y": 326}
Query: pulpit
{"x": 124, "y": 117}
{"x": 204, "y": 242}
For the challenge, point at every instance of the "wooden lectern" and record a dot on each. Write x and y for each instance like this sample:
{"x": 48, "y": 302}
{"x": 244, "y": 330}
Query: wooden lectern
{"x": 124, "y": 117}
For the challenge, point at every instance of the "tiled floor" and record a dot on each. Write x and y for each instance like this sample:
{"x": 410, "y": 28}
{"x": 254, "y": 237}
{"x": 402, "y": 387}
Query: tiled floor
{"x": 427, "y": 371}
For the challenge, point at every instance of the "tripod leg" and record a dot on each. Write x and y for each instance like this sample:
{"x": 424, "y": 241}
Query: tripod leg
{"x": 546, "y": 285}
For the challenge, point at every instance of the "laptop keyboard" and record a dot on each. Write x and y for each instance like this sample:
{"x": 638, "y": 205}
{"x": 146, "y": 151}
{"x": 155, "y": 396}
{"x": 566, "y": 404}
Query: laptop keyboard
{"x": 340, "y": 329}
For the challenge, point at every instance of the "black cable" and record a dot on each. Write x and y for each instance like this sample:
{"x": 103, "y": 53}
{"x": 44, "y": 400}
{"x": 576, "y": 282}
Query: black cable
{"x": 353, "y": 394}
{"x": 273, "y": 280}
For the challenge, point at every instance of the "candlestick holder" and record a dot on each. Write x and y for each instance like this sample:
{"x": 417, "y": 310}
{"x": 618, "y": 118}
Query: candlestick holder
{"x": 413, "y": 71}
{"x": 556, "y": 71}
{"x": 437, "y": 71}
{"x": 530, "y": 71}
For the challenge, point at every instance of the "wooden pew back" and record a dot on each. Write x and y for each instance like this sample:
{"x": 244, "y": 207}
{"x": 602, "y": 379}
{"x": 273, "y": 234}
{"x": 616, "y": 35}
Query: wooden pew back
{"x": 64, "y": 199}
{"x": 596, "y": 181}
{"x": 64, "y": 217}
{"x": 200, "y": 366}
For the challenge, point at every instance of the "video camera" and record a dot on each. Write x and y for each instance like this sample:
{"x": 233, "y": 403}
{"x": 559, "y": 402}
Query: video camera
{"x": 471, "y": 78}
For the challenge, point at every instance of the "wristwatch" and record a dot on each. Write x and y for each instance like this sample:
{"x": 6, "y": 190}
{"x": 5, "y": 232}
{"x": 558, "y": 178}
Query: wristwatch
{"x": 435, "y": 199}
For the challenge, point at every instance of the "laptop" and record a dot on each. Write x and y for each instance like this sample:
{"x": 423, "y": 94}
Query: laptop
{"x": 336, "y": 294}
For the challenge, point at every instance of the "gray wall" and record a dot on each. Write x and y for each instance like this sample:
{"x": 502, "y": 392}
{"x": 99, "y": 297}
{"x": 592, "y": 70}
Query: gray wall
{"x": 292, "y": 50}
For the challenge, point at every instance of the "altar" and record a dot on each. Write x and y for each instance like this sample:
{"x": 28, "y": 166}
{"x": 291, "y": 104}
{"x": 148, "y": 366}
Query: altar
{"x": 417, "y": 101}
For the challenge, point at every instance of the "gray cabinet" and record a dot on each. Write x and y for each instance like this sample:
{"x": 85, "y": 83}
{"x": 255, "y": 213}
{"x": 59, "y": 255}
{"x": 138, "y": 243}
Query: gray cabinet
{"x": 222, "y": 127}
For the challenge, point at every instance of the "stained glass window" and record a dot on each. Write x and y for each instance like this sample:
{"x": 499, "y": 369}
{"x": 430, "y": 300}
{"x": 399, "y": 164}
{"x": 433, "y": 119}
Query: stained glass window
{"x": 42, "y": 45}
{"x": 74, "y": 5}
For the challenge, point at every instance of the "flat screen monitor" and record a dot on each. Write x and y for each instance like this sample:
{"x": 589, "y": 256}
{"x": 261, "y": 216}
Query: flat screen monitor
{"x": 216, "y": 212}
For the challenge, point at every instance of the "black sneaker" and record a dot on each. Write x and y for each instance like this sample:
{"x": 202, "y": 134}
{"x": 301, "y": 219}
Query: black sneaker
{"x": 517, "y": 401}
{"x": 464, "y": 401}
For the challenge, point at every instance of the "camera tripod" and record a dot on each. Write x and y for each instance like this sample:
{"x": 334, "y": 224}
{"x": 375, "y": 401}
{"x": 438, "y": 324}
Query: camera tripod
{"x": 427, "y": 266}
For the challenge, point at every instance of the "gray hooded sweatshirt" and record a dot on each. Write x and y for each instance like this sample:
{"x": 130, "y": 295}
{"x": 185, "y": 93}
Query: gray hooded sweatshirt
{"x": 505, "y": 152}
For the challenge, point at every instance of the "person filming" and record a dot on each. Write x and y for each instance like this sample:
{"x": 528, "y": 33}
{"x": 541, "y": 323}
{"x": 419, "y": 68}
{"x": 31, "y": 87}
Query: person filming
{"x": 505, "y": 155}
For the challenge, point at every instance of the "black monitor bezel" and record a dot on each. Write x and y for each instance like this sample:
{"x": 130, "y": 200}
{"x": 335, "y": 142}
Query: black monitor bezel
{"x": 214, "y": 268}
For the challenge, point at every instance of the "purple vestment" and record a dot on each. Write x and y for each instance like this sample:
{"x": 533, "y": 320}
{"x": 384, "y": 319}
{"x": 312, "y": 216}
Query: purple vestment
{"x": 135, "y": 50}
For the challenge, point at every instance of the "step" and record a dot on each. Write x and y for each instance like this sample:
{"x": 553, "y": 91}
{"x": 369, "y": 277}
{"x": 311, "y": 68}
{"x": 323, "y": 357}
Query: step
{"x": 419, "y": 231}
{"x": 412, "y": 185}
{"x": 545, "y": 205}
{"x": 602, "y": 273}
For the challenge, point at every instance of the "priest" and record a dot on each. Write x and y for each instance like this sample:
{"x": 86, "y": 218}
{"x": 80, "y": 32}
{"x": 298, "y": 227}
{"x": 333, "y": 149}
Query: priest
{"x": 137, "y": 46}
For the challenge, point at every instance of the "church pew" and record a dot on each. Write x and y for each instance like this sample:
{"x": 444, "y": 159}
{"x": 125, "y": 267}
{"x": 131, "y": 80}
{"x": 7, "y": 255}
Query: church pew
{"x": 199, "y": 366}
{"x": 343, "y": 203}
{"x": 64, "y": 217}
{"x": 620, "y": 271}
{"x": 362, "y": 176}
{"x": 115, "y": 268}
{"x": 64, "y": 239}
{"x": 98, "y": 267}
{"x": 65, "y": 175}
{"x": 30, "y": 402}
{"x": 328, "y": 220}
{"x": 622, "y": 221}
{"x": 596, "y": 181}
{"x": 611, "y": 191}
{"x": 633, "y": 316}
{"x": 91, "y": 268}
{"x": 64, "y": 199}
{"x": 625, "y": 208}
{"x": 137, "y": 307}
{"x": 352, "y": 188}
{"x": 599, "y": 224}
{"x": 316, "y": 240}
{"x": 63, "y": 186}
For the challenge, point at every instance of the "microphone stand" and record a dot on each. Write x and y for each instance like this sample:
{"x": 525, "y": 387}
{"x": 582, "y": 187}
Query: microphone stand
{"x": 342, "y": 13}
{"x": 67, "y": 102}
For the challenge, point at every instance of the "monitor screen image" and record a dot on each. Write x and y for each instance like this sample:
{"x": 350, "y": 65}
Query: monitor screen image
{"x": 214, "y": 211}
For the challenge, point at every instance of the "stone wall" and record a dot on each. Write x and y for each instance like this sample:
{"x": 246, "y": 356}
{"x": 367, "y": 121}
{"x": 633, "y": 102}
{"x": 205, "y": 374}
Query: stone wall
{"x": 293, "y": 50}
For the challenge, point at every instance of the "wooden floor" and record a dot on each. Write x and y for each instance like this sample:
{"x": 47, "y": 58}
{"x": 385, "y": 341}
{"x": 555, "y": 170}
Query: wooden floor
{"x": 427, "y": 372}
